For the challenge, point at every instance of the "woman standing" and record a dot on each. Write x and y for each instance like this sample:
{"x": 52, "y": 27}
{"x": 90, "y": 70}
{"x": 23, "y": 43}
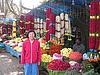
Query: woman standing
{"x": 31, "y": 54}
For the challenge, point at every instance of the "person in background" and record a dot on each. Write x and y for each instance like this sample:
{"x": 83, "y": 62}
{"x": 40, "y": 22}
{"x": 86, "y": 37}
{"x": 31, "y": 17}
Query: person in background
{"x": 31, "y": 54}
{"x": 78, "y": 46}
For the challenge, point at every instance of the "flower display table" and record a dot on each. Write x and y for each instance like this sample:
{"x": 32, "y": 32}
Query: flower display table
{"x": 12, "y": 51}
{"x": 72, "y": 72}
{"x": 52, "y": 72}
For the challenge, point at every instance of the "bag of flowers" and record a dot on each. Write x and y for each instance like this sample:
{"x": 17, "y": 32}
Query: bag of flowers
{"x": 57, "y": 56}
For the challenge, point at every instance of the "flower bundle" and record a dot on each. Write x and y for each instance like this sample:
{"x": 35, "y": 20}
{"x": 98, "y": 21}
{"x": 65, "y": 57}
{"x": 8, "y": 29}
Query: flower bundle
{"x": 53, "y": 41}
{"x": 43, "y": 51}
{"x": 75, "y": 56}
{"x": 55, "y": 49}
{"x": 76, "y": 67}
{"x": 46, "y": 58}
{"x": 58, "y": 65}
{"x": 66, "y": 51}
{"x": 43, "y": 46}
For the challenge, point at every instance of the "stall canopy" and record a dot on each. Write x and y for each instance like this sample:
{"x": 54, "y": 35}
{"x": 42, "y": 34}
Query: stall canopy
{"x": 76, "y": 2}
{"x": 56, "y": 8}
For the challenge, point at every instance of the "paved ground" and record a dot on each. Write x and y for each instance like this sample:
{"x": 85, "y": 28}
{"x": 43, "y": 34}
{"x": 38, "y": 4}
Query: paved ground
{"x": 9, "y": 65}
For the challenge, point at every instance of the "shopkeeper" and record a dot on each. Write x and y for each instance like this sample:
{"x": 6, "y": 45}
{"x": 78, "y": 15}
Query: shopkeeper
{"x": 31, "y": 54}
{"x": 78, "y": 46}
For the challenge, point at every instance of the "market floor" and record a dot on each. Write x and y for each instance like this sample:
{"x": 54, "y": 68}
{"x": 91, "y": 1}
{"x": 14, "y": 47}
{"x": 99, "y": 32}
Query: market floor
{"x": 9, "y": 65}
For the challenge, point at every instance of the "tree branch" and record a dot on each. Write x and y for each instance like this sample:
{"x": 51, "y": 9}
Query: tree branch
{"x": 10, "y": 8}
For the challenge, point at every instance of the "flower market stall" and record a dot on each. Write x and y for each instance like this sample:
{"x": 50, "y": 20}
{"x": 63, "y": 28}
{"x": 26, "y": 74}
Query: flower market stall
{"x": 54, "y": 27}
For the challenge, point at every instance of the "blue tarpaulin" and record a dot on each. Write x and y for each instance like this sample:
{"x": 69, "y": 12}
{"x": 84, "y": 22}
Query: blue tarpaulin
{"x": 2, "y": 45}
{"x": 68, "y": 1}
{"x": 76, "y": 2}
{"x": 56, "y": 8}
{"x": 7, "y": 19}
{"x": 12, "y": 51}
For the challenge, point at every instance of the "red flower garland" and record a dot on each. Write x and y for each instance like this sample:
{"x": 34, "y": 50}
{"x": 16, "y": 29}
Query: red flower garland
{"x": 94, "y": 25}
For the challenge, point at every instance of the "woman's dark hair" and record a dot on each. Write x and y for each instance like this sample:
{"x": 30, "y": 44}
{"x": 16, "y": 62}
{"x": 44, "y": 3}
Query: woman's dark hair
{"x": 30, "y": 32}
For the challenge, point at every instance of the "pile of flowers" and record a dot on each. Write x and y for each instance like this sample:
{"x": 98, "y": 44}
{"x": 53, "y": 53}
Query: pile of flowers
{"x": 42, "y": 43}
{"x": 46, "y": 58}
{"x": 66, "y": 51}
{"x": 75, "y": 66}
{"x": 53, "y": 41}
{"x": 55, "y": 49}
{"x": 5, "y": 37}
{"x": 87, "y": 66}
{"x": 43, "y": 51}
{"x": 75, "y": 56}
{"x": 58, "y": 65}
{"x": 15, "y": 43}
{"x": 92, "y": 56}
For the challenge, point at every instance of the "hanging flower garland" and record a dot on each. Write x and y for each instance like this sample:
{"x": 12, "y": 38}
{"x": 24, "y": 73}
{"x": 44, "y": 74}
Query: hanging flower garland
{"x": 94, "y": 25}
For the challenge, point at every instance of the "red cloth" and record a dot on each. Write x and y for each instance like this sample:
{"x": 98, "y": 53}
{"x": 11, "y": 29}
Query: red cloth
{"x": 30, "y": 56}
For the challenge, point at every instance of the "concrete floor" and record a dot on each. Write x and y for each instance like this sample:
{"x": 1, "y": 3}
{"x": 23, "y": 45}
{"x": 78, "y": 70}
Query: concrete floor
{"x": 9, "y": 65}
